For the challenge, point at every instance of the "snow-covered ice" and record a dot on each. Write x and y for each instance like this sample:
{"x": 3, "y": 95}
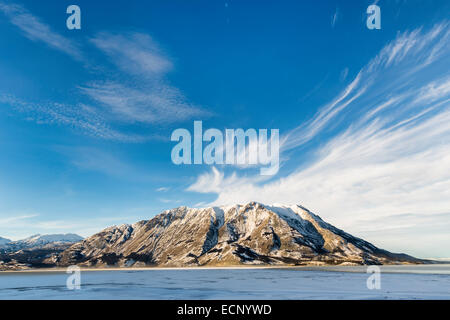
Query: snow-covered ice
{"x": 422, "y": 282}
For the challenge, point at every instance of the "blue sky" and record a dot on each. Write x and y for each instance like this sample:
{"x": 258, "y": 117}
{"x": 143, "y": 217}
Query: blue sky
{"x": 86, "y": 115}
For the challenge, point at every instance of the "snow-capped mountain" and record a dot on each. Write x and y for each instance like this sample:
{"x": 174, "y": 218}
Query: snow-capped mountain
{"x": 4, "y": 241}
{"x": 39, "y": 240}
{"x": 42, "y": 240}
{"x": 31, "y": 252}
{"x": 251, "y": 234}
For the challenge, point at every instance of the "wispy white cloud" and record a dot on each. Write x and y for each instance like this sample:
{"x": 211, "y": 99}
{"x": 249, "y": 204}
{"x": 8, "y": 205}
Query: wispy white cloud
{"x": 389, "y": 157}
{"x": 34, "y": 29}
{"x": 135, "y": 53}
{"x": 434, "y": 91}
{"x": 305, "y": 132}
{"x": 79, "y": 117}
{"x": 139, "y": 91}
{"x": 392, "y": 70}
{"x": 143, "y": 94}
{"x": 344, "y": 74}
{"x": 142, "y": 104}
{"x": 216, "y": 182}
{"x": 11, "y": 219}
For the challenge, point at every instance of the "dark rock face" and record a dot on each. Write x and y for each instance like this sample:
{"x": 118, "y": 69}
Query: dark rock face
{"x": 39, "y": 257}
{"x": 252, "y": 234}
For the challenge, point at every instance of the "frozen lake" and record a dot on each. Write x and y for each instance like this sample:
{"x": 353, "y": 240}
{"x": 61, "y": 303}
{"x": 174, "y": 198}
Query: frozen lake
{"x": 397, "y": 282}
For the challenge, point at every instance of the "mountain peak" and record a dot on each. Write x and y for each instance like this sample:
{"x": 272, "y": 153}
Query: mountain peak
{"x": 249, "y": 234}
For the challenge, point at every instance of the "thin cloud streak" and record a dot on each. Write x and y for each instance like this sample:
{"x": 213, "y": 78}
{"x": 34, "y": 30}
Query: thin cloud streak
{"x": 134, "y": 53}
{"x": 143, "y": 95}
{"x": 334, "y": 19}
{"x": 34, "y": 29}
{"x": 151, "y": 104}
{"x": 78, "y": 117}
{"x": 16, "y": 218}
{"x": 394, "y": 66}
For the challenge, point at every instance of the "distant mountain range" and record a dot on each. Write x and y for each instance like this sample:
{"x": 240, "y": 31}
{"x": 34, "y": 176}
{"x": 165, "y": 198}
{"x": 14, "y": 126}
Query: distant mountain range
{"x": 251, "y": 234}
{"x": 39, "y": 240}
{"x": 32, "y": 251}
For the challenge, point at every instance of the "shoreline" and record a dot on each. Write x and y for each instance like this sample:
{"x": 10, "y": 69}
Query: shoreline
{"x": 325, "y": 268}
{"x": 89, "y": 269}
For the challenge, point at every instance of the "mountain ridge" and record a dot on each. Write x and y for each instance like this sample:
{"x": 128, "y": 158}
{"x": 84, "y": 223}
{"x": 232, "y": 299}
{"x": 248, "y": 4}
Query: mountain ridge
{"x": 41, "y": 240}
{"x": 250, "y": 234}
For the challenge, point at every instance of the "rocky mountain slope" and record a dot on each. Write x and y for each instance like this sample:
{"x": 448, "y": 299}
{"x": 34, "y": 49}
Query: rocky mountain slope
{"x": 251, "y": 234}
